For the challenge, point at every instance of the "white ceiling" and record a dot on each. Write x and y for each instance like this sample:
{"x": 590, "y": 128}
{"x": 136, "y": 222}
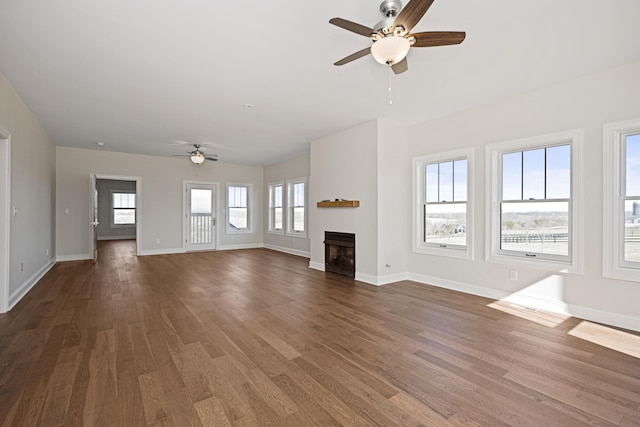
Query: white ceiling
{"x": 152, "y": 76}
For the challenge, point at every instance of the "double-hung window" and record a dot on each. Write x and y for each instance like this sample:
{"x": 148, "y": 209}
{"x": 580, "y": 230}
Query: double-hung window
{"x": 276, "y": 214}
{"x": 443, "y": 196}
{"x": 534, "y": 197}
{"x": 296, "y": 218}
{"x": 123, "y": 209}
{"x": 238, "y": 208}
{"x": 622, "y": 200}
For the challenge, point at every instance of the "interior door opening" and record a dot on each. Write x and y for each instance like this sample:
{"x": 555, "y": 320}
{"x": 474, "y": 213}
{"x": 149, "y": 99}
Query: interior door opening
{"x": 115, "y": 210}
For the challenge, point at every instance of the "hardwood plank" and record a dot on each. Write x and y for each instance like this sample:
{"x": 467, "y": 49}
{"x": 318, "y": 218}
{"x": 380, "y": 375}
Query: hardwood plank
{"x": 254, "y": 337}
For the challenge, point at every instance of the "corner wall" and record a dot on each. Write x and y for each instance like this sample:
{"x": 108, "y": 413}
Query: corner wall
{"x": 32, "y": 191}
{"x": 585, "y": 103}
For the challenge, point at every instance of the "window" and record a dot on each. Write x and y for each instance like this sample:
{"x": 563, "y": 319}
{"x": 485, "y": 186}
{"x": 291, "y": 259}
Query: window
{"x": 296, "y": 195}
{"x": 533, "y": 199}
{"x": 622, "y": 200}
{"x": 443, "y": 193}
{"x": 123, "y": 209}
{"x": 276, "y": 199}
{"x": 238, "y": 214}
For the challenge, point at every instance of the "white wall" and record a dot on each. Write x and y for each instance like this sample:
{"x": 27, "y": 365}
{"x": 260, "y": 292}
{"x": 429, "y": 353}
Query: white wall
{"x": 585, "y": 103}
{"x": 160, "y": 201}
{"x": 394, "y": 195}
{"x": 297, "y": 167}
{"x": 32, "y": 192}
{"x": 344, "y": 166}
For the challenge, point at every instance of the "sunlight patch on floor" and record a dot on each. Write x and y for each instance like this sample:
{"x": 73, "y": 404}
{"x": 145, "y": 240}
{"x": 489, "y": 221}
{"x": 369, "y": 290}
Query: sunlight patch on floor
{"x": 605, "y": 336}
{"x": 544, "y": 318}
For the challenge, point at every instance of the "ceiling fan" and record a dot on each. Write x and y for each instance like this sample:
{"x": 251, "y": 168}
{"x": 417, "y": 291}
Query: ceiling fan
{"x": 198, "y": 157}
{"x": 391, "y": 37}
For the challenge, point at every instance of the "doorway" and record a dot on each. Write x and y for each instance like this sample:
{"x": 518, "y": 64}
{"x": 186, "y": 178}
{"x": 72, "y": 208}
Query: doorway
{"x": 200, "y": 216}
{"x": 115, "y": 210}
{"x": 5, "y": 201}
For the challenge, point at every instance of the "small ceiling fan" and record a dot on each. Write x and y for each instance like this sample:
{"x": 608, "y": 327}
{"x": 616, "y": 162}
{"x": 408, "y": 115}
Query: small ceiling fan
{"x": 391, "y": 37}
{"x": 197, "y": 156}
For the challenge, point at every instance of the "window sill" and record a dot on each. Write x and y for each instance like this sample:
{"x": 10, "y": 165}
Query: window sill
{"x": 541, "y": 264}
{"x": 444, "y": 252}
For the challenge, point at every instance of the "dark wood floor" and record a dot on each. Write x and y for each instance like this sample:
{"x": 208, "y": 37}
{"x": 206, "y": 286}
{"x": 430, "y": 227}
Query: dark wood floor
{"x": 254, "y": 337}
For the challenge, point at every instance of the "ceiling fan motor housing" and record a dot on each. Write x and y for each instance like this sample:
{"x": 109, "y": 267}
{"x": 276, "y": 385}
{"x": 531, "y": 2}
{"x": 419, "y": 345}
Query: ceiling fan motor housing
{"x": 389, "y": 9}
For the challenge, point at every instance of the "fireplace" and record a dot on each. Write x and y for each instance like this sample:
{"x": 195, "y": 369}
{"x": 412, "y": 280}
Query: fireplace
{"x": 340, "y": 253}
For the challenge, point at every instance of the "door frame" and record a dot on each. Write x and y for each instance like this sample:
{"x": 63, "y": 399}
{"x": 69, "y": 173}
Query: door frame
{"x": 5, "y": 218}
{"x": 185, "y": 198}
{"x": 138, "y": 181}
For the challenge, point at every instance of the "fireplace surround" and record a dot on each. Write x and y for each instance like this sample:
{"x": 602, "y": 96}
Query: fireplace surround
{"x": 340, "y": 253}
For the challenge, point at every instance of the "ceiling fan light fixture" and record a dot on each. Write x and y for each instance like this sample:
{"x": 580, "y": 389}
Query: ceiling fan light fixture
{"x": 390, "y": 50}
{"x": 197, "y": 157}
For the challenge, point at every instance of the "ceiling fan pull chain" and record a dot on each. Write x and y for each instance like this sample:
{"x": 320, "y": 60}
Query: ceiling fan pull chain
{"x": 390, "y": 99}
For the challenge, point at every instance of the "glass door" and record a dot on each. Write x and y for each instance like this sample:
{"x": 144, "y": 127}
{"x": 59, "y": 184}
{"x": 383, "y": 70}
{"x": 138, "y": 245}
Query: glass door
{"x": 200, "y": 217}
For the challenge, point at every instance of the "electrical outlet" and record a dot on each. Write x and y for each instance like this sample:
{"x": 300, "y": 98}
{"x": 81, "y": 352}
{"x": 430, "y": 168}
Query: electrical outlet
{"x": 157, "y": 241}
{"x": 513, "y": 274}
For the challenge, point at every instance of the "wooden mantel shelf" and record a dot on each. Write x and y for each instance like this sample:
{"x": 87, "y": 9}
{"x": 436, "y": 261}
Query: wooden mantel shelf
{"x": 339, "y": 204}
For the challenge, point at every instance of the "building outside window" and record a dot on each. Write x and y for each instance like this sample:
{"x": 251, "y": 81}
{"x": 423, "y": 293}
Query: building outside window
{"x": 296, "y": 196}
{"x": 534, "y": 194}
{"x": 443, "y": 218}
{"x": 276, "y": 198}
{"x": 622, "y": 200}
{"x": 238, "y": 196}
{"x": 123, "y": 209}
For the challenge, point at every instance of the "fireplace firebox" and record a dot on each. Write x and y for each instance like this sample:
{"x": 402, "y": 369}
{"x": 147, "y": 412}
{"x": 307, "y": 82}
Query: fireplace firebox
{"x": 340, "y": 253}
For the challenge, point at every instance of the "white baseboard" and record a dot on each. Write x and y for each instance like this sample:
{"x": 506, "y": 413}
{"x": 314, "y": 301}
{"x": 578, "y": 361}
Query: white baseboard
{"x": 586, "y": 313}
{"x": 290, "y": 251}
{"x": 132, "y": 237}
{"x": 241, "y": 246}
{"x": 80, "y": 257}
{"x": 167, "y": 251}
{"x": 19, "y": 293}
{"x": 316, "y": 265}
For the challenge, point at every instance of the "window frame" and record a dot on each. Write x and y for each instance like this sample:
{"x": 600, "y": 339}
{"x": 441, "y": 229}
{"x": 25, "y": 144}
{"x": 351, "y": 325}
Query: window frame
{"x": 419, "y": 170}
{"x": 249, "y": 228}
{"x": 493, "y": 252}
{"x": 113, "y": 209}
{"x": 290, "y": 183}
{"x": 272, "y": 206}
{"x": 614, "y": 179}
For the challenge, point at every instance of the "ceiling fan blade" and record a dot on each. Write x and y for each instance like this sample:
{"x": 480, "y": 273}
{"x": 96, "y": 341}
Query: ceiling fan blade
{"x": 212, "y": 157}
{"x": 438, "y": 38}
{"x": 352, "y": 26}
{"x": 354, "y": 56}
{"x": 401, "y": 66}
{"x": 411, "y": 14}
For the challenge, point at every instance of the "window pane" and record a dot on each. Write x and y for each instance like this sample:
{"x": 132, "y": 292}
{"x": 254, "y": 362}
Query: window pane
{"x": 535, "y": 227}
{"x": 124, "y": 200}
{"x": 238, "y": 197}
{"x": 201, "y": 201}
{"x": 277, "y": 196}
{"x": 238, "y": 218}
{"x": 632, "y": 167}
{"x": 445, "y": 224}
{"x": 632, "y": 231}
{"x": 298, "y": 194}
{"x": 446, "y": 182}
{"x": 298, "y": 219}
{"x": 431, "y": 183}
{"x": 460, "y": 181}
{"x": 512, "y": 176}
{"x": 277, "y": 218}
{"x": 559, "y": 172}
{"x": 533, "y": 174}
{"x": 124, "y": 216}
